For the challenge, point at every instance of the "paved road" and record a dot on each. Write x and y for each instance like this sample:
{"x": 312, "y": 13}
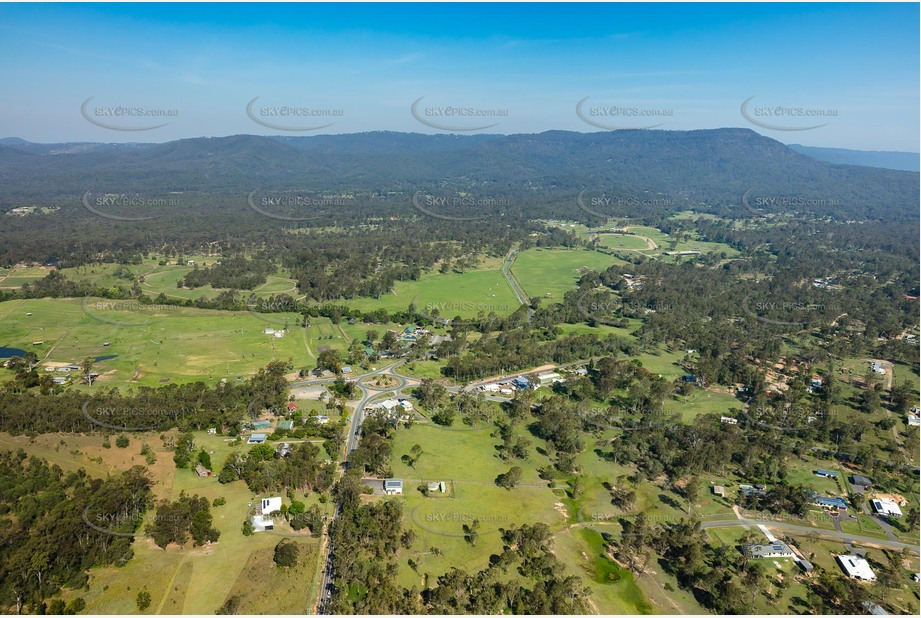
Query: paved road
{"x": 358, "y": 416}
{"x": 843, "y": 536}
{"x": 513, "y": 282}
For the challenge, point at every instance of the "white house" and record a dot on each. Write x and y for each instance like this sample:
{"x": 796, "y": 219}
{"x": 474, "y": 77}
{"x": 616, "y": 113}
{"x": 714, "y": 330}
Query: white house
{"x": 262, "y": 523}
{"x": 886, "y": 507}
{"x": 490, "y": 388}
{"x": 728, "y": 420}
{"x": 271, "y": 505}
{"x": 393, "y": 487}
{"x": 777, "y": 549}
{"x": 856, "y": 567}
{"x": 269, "y": 331}
{"x": 322, "y": 420}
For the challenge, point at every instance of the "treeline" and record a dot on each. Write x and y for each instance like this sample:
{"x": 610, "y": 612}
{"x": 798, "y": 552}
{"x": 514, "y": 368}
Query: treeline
{"x": 29, "y": 405}
{"x": 523, "y": 348}
{"x": 54, "y": 526}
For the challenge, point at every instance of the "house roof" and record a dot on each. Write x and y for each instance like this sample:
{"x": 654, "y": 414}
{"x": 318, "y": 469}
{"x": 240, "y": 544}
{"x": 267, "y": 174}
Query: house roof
{"x": 393, "y": 483}
{"x": 771, "y": 550}
{"x": 855, "y": 566}
{"x": 857, "y": 479}
{"x": 886, "y": 507}
{"x": 826, "y": 473}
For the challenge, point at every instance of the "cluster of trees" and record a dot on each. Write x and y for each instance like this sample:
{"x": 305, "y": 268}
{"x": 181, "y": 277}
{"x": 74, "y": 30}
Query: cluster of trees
{"x": 303, "y": 469}
{"x": 177, "y": 521}
{"x": 54, "y": 526}
{"x": 233, "y": 271}
{"x": 526, "y": 552}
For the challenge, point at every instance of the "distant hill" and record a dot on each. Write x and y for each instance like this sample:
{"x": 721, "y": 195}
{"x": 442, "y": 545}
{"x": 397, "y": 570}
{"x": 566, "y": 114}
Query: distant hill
{"x": 887, "y": 159}
{"x": 539, "y": 174}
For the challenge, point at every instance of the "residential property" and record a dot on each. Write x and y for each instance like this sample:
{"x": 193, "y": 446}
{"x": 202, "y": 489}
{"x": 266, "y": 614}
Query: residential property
{"x": 261, "y": 523}
{"x": 393, "y": 487}
{"x": 886, "y": 507}
{"x": 777, "y": 549}
{"x": 202, "y": 471}
{"x": 257, "y": 438}
{"x": 283, "y": 449}
{"x": 719, "y": 490}
{"x": 856, "y": 567}
{"x": 861, "y": 481}
{"x": 59, "y": 380}
{"x": 270, "y": 505}
{"x": 437, "y": 486}
{"x": 212, "y": 431}
{"x": 346, "y": 369}
{"x": 829, "y": 503}
{"x": 828, "y": 474}
{"x": 490, "y": 388}
{"x": 322, "y": 420}
{"x": 877, "y": 367}
{"x": 913, "y": 420}
{"x": 728, "y": 420}
{"x": 269, "y": 331}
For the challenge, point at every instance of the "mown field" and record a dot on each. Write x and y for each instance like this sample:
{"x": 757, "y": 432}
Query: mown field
{"x": 153, "y": 346}
{"x": 452, "y": 294}
{"x": 549, "y": 273}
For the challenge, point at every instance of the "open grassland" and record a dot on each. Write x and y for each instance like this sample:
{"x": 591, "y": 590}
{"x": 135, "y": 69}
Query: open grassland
{"x": 549, "y": 273}
{"x": 452, "y": 294}
{"x": 161, "y": 344}
{"x": 465, "y": 459}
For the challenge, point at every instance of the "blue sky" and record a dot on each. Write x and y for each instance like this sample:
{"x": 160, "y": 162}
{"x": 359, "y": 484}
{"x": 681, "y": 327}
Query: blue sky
{"x": 689, "y": 66}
